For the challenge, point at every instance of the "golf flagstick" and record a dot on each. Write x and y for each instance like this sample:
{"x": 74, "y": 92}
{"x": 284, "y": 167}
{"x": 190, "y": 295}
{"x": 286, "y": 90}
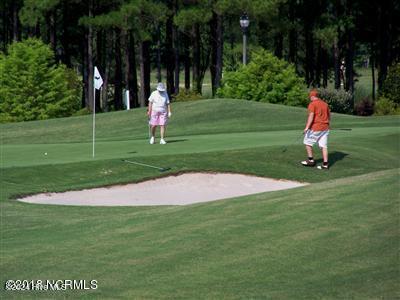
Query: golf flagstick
{"x": 94, "y": 118}
{"x": 97, "y": 83}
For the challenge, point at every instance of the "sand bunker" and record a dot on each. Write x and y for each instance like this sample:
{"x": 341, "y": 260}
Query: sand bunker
{"x": 173, "y": 190}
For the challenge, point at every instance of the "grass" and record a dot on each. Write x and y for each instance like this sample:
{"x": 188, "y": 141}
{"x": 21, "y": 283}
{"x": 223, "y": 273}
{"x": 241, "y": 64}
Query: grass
{"x": 336, "y": 238}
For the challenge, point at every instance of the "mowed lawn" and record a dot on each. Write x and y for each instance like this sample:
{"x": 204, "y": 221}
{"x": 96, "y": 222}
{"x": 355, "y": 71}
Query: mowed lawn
{"x": 337, "y": 238}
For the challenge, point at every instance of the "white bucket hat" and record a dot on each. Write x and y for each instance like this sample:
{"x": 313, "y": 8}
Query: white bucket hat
{"x": 161, "y": 87}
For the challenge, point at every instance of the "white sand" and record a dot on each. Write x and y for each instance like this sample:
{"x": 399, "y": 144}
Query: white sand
{"x": 182, "y": 189}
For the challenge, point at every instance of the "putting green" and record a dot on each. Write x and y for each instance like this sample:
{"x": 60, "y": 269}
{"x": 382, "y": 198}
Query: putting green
{"x": 34, "y": 154}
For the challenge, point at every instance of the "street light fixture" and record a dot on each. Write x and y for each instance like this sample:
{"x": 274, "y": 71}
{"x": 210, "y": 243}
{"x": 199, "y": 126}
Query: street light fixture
{"x": 244, "y": 23}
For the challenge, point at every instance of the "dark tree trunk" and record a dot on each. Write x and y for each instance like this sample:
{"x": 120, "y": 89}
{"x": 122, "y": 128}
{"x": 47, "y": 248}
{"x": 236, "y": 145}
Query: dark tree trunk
{"x": 213, "y": 45}
{"x": 51, "y": 29}
{"x": 170, "y": 60}
{"x": 126, "y": 63}
{"x": 177, "y": 62}
{"x": 278, "y": 42}
{"x": 106, "y": 63}
{"x": 16, "y": 25}
{"x": 336, "y": 63}
{"x": 318, "y": 69}
{"x": 325, "y": 68}
{"x": 220, "y": 49}
{"x": 132, "y": 76}
{"x": 372, "y": 63}
{"x": 232, "y": 46}
{"x": 85, "y": 72}
{"x": 187, "y": 62}
{"x": 159, "y": 77}
{"x": 37, "y": 30}
{"x": 99, "y": 58}
{"x": 309, "y": 59}
{"x": 349, "y": 84}
{"x": 336, "y": 49}
{"x": 216, "y": 51}
{"x": 292, "y": 56}
{"x": 384, "y": 21}
{"x": 118, "y": 72}
{"x": 196, "y": 59}
{"x": 4, "y": 33}
{"x": 144, "y": 54}
{"x": 65, "y": 37}
{"x": 90, "y": 70}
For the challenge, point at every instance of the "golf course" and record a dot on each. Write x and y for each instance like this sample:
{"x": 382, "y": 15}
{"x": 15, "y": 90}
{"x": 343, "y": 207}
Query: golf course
{"x": 336, "y": 238}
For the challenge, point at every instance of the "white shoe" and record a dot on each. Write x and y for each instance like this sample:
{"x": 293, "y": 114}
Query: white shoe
{"x": 162, "y": 142}
{"x": 152, "y": 140}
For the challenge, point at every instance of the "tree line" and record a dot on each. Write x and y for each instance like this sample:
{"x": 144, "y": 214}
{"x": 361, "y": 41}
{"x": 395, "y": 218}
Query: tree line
{"x": 127, "y": 39}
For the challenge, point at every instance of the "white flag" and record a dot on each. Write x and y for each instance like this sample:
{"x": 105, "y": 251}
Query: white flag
{"x": 98, "y": 81}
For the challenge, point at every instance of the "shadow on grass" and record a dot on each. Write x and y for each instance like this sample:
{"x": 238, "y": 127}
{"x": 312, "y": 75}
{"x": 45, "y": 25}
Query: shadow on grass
{"x": 175, "y": 141}
{"x": 334, "y": 157}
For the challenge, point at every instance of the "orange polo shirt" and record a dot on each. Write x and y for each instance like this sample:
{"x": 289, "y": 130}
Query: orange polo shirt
{"x": 322, "y": 115}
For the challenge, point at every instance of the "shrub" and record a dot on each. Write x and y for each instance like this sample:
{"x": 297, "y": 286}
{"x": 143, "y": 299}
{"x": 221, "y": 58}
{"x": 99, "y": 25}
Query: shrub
{"x": 267, "y": 79}
{"x": 384, "y": 106}
{"x": 391, "y": 85}
{"x": 365, "y": 107}
{"x": 33, "y": 87}
{"x": 82, "y": 112}
{"x": 187, "y": 96}
{"x": 339, "y": 101}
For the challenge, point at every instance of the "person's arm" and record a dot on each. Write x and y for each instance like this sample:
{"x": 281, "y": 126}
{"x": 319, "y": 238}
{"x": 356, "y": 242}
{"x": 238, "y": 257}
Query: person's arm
{"x": 169, "y": 110}
{"x": 149, "y": 109}
{"x": 168, "y": 106}
{"x": 309, "y": 121}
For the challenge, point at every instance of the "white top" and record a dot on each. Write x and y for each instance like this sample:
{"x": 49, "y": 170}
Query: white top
{"x": 159, "y": 101}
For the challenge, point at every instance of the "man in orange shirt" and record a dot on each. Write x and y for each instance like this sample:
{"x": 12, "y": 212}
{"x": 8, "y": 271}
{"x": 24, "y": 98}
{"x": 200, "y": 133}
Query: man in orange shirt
{"x": 317, "y": 130}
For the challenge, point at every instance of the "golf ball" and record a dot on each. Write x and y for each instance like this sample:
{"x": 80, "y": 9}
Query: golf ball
{"x": 45, "y": 153}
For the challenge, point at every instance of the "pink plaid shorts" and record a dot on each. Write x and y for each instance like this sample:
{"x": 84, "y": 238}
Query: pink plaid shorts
{"x": 158, "y": 118}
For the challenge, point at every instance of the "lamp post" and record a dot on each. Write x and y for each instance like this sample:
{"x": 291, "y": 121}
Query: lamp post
{"x": 244, "y": 23}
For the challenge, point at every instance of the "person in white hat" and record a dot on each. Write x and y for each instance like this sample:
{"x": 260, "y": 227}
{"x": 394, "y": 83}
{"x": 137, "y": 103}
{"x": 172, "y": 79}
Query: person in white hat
{"x": 159, "y": 112}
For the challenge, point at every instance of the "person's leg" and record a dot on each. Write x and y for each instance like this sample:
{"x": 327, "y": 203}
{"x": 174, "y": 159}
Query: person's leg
{"x": 325, "y": 155}
{"x": 153, "y": 130}
{"x": 162, "y": 131}
{"x": 310, "y": 152}
{"x": 310, "y": 161}
{"x": 163, "y": 123}
{"x": 323, "y": 144}
{"x": 309, "y": 141}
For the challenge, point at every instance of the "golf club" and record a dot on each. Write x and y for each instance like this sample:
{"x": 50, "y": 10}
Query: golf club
{"x": 145, "y": 165}
{"x": 298, "y": 138}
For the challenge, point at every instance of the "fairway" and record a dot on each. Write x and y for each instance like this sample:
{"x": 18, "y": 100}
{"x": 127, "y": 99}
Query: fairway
{"x": 333, "y": 239}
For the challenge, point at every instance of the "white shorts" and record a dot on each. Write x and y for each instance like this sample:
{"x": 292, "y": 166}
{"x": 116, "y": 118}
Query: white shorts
{"x": 320, "y": 137}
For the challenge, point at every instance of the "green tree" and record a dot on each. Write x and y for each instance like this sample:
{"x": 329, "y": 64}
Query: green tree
{"x": 33, "y": 87}
{"x": 267, "y": 79}
{"x": 391, "y": 85}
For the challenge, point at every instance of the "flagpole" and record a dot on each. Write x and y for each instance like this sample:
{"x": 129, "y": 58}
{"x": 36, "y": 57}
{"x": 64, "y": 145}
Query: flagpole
{"x": 97, "y": 83}
{"x": 94, "y": 115}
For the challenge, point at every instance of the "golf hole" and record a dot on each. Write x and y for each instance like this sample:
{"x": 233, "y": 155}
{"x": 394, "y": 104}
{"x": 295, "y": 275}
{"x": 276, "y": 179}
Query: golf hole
{"x": 183, "y": 189}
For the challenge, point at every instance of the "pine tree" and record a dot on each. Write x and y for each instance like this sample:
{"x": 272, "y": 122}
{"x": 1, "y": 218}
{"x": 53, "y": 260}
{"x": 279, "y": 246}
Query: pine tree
{"x": 33, "y": 87}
